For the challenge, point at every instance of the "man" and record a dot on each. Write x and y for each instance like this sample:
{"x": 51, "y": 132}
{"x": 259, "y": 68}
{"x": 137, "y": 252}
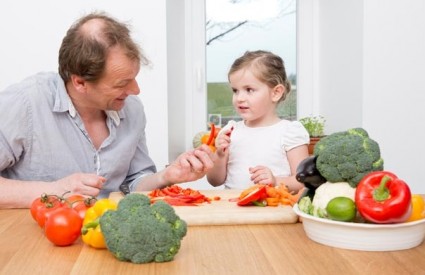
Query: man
{"x": 83, "y": 130}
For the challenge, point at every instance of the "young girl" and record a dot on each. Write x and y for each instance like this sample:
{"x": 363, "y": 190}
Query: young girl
{"x": 261, "y": 148}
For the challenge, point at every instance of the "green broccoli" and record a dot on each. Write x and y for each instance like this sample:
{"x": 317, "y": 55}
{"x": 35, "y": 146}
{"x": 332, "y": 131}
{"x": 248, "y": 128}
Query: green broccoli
{"x": 140, "y": 232}
{"x": 347, "y": 156}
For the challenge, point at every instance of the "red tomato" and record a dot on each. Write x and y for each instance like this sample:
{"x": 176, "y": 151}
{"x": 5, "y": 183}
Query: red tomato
{"x": 80, "y": 203}
{"x": 63, "y": 226}
{"x": 75, "y": 198}
{"x": 45, "y": 210}
{"x": 82, "y": 206}
{"x": 39, "y": 203}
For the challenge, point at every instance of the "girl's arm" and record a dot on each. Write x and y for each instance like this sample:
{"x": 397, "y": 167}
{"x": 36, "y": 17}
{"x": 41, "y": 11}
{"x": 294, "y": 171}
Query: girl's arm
{"x": 217, "y": 175}
{"x": 295, "y": 156}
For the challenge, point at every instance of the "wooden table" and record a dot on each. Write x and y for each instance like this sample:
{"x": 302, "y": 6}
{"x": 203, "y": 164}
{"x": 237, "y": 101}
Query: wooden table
{"x": 240, "y": 249}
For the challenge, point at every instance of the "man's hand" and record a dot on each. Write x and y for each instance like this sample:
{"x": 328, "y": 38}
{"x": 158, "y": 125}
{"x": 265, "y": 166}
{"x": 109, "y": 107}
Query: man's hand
{"x": 82, "y": 183}
{"x": 190, "y": 166}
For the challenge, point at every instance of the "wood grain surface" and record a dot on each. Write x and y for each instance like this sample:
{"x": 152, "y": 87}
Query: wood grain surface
{"x": 229, "y": 249}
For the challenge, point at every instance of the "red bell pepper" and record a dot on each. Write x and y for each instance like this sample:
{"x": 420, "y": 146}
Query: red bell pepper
{"x": 381, "y": 197}
{"x": 254, "y": 197}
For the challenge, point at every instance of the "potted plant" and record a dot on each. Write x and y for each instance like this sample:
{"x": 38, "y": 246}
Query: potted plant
{"x": 315, "y": 126}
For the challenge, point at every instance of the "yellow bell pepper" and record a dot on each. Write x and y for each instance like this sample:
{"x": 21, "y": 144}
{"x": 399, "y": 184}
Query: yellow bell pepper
{"x": 418, "y": 208}
{"x": 91, "y": 231}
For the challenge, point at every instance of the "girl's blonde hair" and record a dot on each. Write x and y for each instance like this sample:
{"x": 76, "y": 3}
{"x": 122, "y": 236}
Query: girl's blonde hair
{"x": 267, "y": 67}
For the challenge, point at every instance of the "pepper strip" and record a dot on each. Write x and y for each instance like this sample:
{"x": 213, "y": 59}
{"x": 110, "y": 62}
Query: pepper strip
{"x": 212, "y": 134}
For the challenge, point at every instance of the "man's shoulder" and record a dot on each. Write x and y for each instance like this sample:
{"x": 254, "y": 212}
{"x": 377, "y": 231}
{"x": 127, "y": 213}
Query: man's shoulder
{"x": 32, "y": 82}
{"x": 133, "y": 104}
{"x": 133, "y": 109}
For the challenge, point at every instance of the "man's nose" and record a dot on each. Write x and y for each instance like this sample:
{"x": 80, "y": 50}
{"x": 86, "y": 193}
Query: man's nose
{"x": 133, "y": 88}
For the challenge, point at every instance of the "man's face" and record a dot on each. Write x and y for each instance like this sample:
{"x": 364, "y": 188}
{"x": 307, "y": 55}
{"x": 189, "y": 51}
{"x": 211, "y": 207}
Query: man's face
{"x": 117, "y": 82}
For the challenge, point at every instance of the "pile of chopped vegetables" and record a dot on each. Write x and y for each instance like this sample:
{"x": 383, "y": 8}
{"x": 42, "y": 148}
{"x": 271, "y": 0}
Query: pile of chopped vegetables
{"x": 267, "y": 195}
{"x": 178, "y": 196}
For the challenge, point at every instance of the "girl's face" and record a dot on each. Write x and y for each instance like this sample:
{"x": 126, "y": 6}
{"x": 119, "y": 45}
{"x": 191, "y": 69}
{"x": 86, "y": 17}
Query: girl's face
{"x": 254, "y": 101}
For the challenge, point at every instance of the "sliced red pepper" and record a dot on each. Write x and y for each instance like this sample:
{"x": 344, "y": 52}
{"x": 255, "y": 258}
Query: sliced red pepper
{"x": 178, "y": 202}
{"x": 381, "y": 197}
{"x": 178, "y": 196}
{"x": 255, "y": 195}
{"x": 168, "y": 192}
{"x": 212, "y": 134}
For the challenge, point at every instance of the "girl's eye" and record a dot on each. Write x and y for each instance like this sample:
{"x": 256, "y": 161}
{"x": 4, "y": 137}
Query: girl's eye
{"x": 234, "y": 91}
{"x": 249, "y": 90}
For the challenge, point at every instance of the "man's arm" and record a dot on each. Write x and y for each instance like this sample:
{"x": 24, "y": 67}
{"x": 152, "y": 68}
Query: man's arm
{"x": 20, "y": 194}
{"x": 189, "y": 166}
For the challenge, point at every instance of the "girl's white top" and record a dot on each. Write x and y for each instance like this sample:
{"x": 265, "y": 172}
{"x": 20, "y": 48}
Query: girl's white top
{"x": 265, "y": 146}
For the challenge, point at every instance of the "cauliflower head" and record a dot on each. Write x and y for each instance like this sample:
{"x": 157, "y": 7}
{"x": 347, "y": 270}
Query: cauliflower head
{"x": 328, "y": 191}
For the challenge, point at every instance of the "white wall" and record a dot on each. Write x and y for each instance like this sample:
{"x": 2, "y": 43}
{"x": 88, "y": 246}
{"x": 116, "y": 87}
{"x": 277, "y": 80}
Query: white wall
{"x": 31, "y": 33}
{"x": 393, "y": 87}
{"x": 366, "y": 67}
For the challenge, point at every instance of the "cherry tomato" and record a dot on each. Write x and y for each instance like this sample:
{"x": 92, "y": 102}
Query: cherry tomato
{"x": 63, "y": 226}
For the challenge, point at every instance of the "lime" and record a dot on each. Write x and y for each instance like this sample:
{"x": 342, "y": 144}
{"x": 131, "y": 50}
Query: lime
{"x": 341, "y": 209}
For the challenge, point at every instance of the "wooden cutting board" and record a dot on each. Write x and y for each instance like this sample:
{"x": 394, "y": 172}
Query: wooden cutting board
{"x": 224, "y": 212}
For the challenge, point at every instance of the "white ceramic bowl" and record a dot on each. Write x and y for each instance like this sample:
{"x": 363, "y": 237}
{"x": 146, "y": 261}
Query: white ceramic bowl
{"x": 362, "y": 236}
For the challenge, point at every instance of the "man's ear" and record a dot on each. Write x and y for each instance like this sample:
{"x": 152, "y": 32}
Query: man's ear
{"x": 278, "y": 92}
{"x": 79, "y": 83}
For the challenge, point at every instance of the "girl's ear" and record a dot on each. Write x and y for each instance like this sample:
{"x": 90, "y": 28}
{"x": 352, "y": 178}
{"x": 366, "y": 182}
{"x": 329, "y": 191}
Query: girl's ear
{"x": 278, "y": 92}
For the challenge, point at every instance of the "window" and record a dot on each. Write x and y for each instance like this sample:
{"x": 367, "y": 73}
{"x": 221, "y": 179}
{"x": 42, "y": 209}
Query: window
{"x": 186, "y": 61}
{"x": 235, "y": 26}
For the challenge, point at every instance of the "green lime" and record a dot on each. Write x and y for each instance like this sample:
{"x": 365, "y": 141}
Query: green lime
{"x": 341, "y": 209}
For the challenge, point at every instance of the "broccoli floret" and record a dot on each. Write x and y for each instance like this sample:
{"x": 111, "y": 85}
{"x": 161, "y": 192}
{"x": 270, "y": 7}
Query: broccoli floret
{"x": 140, "y": 232}
{"x": 347, "y": 156}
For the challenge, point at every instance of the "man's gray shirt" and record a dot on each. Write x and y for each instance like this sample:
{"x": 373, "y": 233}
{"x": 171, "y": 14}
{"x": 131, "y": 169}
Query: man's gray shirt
{"x": 42, "y": 137}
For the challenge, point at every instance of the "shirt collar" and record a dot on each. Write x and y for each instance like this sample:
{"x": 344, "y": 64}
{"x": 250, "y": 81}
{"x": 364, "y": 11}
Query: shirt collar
{"x": 63, "y": 103}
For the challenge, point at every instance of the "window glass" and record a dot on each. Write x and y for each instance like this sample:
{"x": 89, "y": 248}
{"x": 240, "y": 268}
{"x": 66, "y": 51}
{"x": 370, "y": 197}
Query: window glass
{"x": 236, "y": 26}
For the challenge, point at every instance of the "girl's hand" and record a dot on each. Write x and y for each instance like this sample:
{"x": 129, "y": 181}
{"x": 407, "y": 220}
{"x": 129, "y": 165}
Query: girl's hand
{"x": 223, "y": 142}
{"x": 262, "y": 175}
